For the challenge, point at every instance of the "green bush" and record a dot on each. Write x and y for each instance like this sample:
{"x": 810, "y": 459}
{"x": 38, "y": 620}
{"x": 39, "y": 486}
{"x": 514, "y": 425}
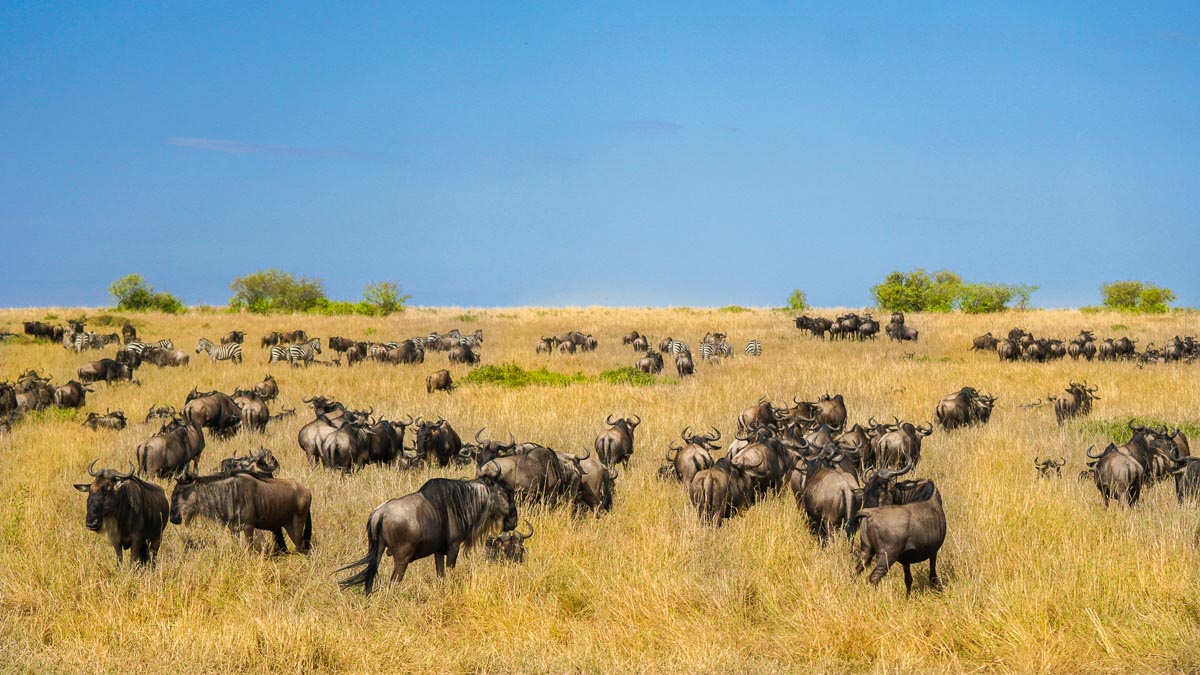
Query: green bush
{"x": 733, "y": 309}
{"x": 797, "y": 301}
{"x": 513, "y": 376}
{"x": 1117, "y": 430}
{"x": 1137, "y": 297}
{"x": 385, "y": 296}
{"x": 106, "y": 320}
{"x": 945, "y": 291}
{"x": 133, "y": 293}
{"x": 273, "y": 290}
{"x": 628, "y": 376}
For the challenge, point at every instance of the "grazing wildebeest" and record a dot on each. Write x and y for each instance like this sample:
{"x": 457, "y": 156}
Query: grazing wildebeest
{"x": 615, "y": 444}
{"x": 652, "y": 362}
{"x": 255, "y": 413}
{"x": 213, "y": 410}
{"x": 165, "y": 358}
{"x": 1077, "y": 404}
{"x": 905, "y": 524}
{"x": 439, "y": 381}
{"x": 71, "y": 395}
{"x": 132, "y": 512}
{"x": 719, "y": 492}
{"x": 684, "y": 365}
{"x": 441, "y": 519}
{"x": 1118, "y": 476}
{"x": 105, "y": 369}
{"x": 109, "y": 420}
{"x": 238, "y": 336}
{"x": 168, "y": 453}
{"x": 1047, "y": 468}
{"x": 268, "y": 389}
{"x": 508, "y": 546}
{"x": 463, "y": 354}
{"x": 245, "y": 502}
{"x": 539, "y": 474}
{"x": 128, "y": 333}
{"x": 964, "y": 407}
{"x": 984, "y": 342}
{"x": 439, "y": 439}
{"x": 261, "y": 462}
{"x": 693, "y": 457}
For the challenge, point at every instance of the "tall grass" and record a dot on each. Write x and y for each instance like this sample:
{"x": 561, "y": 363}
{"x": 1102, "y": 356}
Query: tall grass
{"x": 1039, "y": 576}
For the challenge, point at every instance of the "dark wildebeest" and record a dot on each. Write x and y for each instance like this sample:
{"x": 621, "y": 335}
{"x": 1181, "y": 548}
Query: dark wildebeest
{"x": 294, "y": 337}
{"x": 109, "y": 420}
{"x": 128, "y": 333}
{"x": 901, "y": 445}
{"x": 652, "y": 362}
{"x": 71, "y": 395}
{"x": 313, "y": 434}
{"x": 1008, "y": 350}
{"x": 905, "y": 524}
{"x": 238, "y": 336}
{"x": 463, "y": 354}
{"x": 132, "y": 512}
{"x": 1118, "y": 476}
{"x": 828, "y": 498}
{"x": 261, "y": 462}
{"x": 984, "y": 342}
{"x": 630, "y": 337}
{"x": 439, "y": 381}
{"x": 213, "y": 410}
{"x": 167, "y": 453}
{"x": 1077, "y": 404}
{"x": 442, "y": 518}
{"x": 761, "y": 414}
{"x": 271, "y": 339}
{"x": 538, "y": 474}
{"x": 719, "y": 492}
{"x": 245, "y": 502}
{"x": 1187, "y": 477}
{"x": 545, "y": 345}
{"x": 355, "y": 353}
{"x": 615, "y": 444}
{"x": 684, "y": 365}
{"x": 340, "y": 344}
{"x": 902, "y": 333}
{"x": 255, "y": 413}
{"x": 105, "y": 369}
{"x": 165, "y": 358}
{"x": 508, "y": 546}
{"x": 1048, "y": 468}
{"x": 964, "y": 407}
{"x": 763, "y": 460}
{"x": 268, "y": 389}
{"x": 348, "y": 446}
{"x": 641, "y": 344}
{"x": 439, "y": 439}
{"x": 597, "y": 484}
{"x": 693, "y": 457}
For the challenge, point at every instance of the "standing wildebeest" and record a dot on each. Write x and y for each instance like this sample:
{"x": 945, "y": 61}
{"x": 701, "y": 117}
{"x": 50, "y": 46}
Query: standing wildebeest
{"x": 255, "y": 413}
{"x": 539, "y": 474}
{"x": 900, "y": 445}
{"x": 719, "y": 492}
{"x": 439, "y": 381}
{"x": 270, "y": 339}
{"x": 964, "y": 407}
{"x": 438, "y": 438}
{"x": 463, "y": 354}
{"x": 545, "y": 345}
{"x": 312, "y": 435}
{"x": 268, "y": 389}
{"x": 71, "y": 395}
{"x": 1008, "y": 350}
{"x": 641, "y": 344}
{"x": 105, "y": 369}
{"x": 630, "y": 337}
{"x": 652, "y": 362}
{"x": 1078, "y": 404}
{"x": 829, "y": 498}
{"x": 508, "y": 546}
{"x": 238, "y": 336}
{"x": 128, "y": 333}
{"x": 905, "y": 524}
{"x": 214, "y": 410}
{"x": 167, "y": 453}
{"x": 984, "y": 342}
{"x": 132, "y": 512}
{"x": 761, "y": 414}
{"x": 245, "y": 502}
{"x": 109, "y": 420}
{"x": 1118, "y": 476}
{"x": 165, "y": 358}
{"x": 597, "y": 483}
{"x": 615, "y": 444}
{"x": 902, "y": 333}
{"x": 340, "y": 344}
{"x": 683, "y": 364}
{"x": 1049, "y": 467}
{"x": 693, "y": 457}
{"x": 442, "y": 518}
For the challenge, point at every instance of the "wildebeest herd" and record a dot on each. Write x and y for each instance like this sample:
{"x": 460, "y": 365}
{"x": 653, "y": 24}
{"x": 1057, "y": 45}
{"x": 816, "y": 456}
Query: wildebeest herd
{"x": 851, "y": 479}
{"x": 1021, "y": 345}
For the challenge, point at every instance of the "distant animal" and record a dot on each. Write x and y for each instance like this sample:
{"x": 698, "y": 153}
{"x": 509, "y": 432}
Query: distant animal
{"x": 228, "y": 352}
{"x": 753, "y": 348}
{"x": 439, "y": 381}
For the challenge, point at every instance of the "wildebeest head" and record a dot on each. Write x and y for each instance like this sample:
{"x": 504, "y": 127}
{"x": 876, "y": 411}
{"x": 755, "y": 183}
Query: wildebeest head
{"x": 260, "y": 462}
{"x": 1047, "y": 468}
{"x": 509, "y": 546}
{"x": 488, "y": 450}
{"x": 502, "y": 501}
{"x": 624, "y": 423}
{"x": 703, "y": 440}
{"x": 102, "y": 494}
{"x": 184, "y": 502}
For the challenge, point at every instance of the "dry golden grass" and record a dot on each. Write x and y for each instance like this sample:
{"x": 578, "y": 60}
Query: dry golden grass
{"x": 1039, "y": 577}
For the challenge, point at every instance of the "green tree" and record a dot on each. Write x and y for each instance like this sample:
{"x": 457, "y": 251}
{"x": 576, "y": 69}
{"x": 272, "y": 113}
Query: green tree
{"x": 385, "y": 297}
{"x": 797, "y": 301}
{"x": 1156, "y": 300}
{"x": 133, "y": 293}
{"x": 985, "y": 298}
{"x": 273, "y": 290}
{"x": 1137, "y": 296}
{"x": 916, "y": 291}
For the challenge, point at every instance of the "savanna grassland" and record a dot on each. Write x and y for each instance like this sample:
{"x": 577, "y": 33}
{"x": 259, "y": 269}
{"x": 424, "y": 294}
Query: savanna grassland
{"x": 1039, "y": 576}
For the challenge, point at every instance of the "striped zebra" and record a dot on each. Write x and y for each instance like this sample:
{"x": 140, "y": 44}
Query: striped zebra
{"x": 278, "y": 354}
{"x": 304, "y": 352}
{"x": 714, "y": 350}
{"x": 754, "y": 348}
{"x": 142, "y": 347}
{"x": 82, "y": 341}
{"x": 676, "y": 347}
{"x": 229, "y": 352}
{"x": 471, "y": 341}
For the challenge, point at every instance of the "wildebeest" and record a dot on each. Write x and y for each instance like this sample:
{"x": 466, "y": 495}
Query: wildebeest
{"x": 719, "y": 492}
{"x": 829, "y": 499}
{"x": 270, "y": 339}
{"x": 684, "y": 365}
{"x": 597, "y": 484}
{"x": 268, "y": 389}
{"x": 441, "y": 519}
{"x": 508, "y": 546}
{"x": 128, "y": 333}
{"x": 114, "y": 420}
{"x": 764, "y": 460}
{"x": 213, "y": 410}
{"x": 168, "y": 452}
{"x": 1008, "y": 350}
{"x": 313, "y": 434}
{"x": 1078, "y": 403}
{"x": 693, "y": 457}
{"x": 255, "y": 413}
{"x": 262, "y": 462}
{"x": 964, "y": 407}
{"x": 71, "y": 395}
{"x": 165, "y": 358}
{"x": 641, "y": 344}
{"x": 545, "y": 344}
{"x": 439, "y": 381}
{"x": 984, "y": 342}
{"x": 539, "y": 474}
{"x": 340, "y": 344}
{"x": 652, "y": 362}
{"x": 107, "y": 370}
{"x": 615, "y": 444}
{"x": 130, "y": 511}
{"x": 901, "y": 333}
{"x": 629, "y": 337}
{"x": 437, "y": 438}
{"x": 900, "y": 445}
{"x": 761, "y": 414}
{"x": 1118, "y": 476}
{"x": 238, "y": 336}
{"x": 1047, "y": 468}
{"x": 245, "y": 502}
{"x": 906, "y": 525}
{"x": 463, "y": 354}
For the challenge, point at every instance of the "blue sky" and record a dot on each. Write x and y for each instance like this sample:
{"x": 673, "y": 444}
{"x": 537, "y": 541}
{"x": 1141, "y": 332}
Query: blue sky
{"x": 612, "y": 153}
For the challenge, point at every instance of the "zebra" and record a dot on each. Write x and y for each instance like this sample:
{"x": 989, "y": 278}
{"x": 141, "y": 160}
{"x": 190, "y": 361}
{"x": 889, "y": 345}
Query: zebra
{"x": 278, "y": 354}
{"x": 304, "y": 352}
{"x": 142, "y": 347}
{"x": 754, "y": 348}
{"x": 229, "y": 352}
{"x": 471, "y": 341}
{"x": 82, "y": 341}
{"x": 676, "y": 347}
{"x": 712, "y": 350}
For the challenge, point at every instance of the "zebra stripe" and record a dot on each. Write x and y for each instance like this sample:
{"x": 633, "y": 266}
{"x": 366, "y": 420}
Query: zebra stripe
{"x": 754, "y": 348}
{"x": 229, "y": 352}
{"x": 278, "y": 354}
{"x": 676, "y": 347}
{"x": 304, "y": 352}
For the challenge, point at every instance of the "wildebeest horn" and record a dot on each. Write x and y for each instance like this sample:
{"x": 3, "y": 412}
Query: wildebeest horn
{"x": 1062, "y": 461}
{"x": 577, "y": 458}
{"x": 523, "y": 537}
{"x": 478, "y": 434}
{"x": 308, "y": 400}
{"x": 888, "y": 474}
{"x": 408, "y": 423}
{"x": 684, "y": 434}
{"x": 90, "y": 470}
{"x": 636, "y": 419}
{"x": 614, "y": 474}
{"x": 1089, "y": 453}
{"x": 126, "y": 476}
{"x": 714, "y": 438}
{"x": 608, "y": 420}
{"x": 1037, "y": 460}
{"x": 670, "y": 447}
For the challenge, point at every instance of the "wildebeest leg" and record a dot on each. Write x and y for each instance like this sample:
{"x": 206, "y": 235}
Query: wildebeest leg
{"x": 280, "y": 544}
{"x": 439, "y": 563}
{"x": 934, "y": 579}
{"x": 153, "y": 552}
{"x": 452, "y": 555}
{"x": 881, "y": 568}
{"x": 120, "y": 554}
{"x": 907, "y": 578}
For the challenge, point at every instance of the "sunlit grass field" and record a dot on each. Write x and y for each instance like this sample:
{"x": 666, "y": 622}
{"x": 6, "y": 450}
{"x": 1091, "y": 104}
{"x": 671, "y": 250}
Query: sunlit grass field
{"x": 1039, "y": 576}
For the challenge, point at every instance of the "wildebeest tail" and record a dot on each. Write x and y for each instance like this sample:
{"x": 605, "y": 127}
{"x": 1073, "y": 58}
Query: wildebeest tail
{"x": 307, "y": 536}
{"x": 851, "y": 521}
{"x": 375, "y": 546}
